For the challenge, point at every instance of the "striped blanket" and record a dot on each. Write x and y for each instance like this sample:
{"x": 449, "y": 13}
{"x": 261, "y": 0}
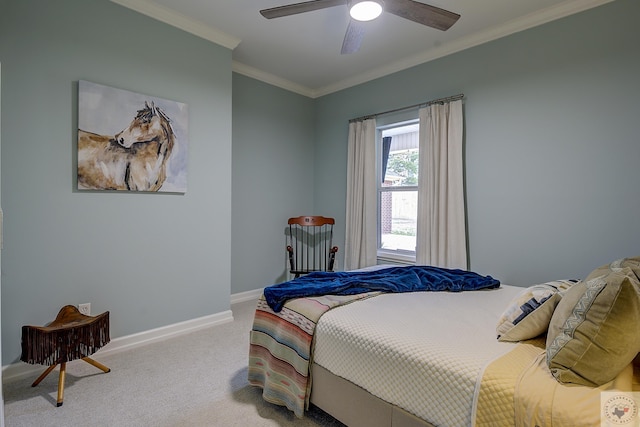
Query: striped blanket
{"x": 280, "y": 352}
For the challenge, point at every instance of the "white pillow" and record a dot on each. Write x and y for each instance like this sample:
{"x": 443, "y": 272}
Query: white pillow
{"x": 528, "y": 314}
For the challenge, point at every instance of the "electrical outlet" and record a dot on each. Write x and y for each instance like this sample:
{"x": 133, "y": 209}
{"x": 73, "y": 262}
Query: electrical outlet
{"x": 85, "y": 309}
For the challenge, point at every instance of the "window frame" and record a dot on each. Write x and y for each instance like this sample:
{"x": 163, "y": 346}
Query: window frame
{"x": 391, "y": 255}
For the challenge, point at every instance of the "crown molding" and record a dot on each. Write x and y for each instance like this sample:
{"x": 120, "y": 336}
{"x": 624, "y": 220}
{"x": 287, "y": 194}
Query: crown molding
{"x": 272, "y": 79}
{"x": 168, "y": 16}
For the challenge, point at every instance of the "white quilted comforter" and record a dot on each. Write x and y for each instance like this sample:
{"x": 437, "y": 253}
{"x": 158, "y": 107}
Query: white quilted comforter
{"x": 424, "y": 352}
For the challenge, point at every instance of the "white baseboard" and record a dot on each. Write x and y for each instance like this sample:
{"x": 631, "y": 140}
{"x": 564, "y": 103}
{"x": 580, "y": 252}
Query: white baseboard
{"x": 21, "y": 370}
{"x": 246, "y": 296}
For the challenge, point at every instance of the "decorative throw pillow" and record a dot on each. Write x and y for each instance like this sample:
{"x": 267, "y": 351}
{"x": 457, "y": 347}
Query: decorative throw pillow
{"x": 593, "y": 334}
{"x": 528, "y": 314}
{"x": 633, "y": 263}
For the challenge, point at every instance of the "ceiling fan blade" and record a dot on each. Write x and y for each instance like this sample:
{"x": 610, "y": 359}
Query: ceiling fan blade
{"x": 421, "y": 13}
{"x": 307, "y": 6}
{"x": 353, "y": 37}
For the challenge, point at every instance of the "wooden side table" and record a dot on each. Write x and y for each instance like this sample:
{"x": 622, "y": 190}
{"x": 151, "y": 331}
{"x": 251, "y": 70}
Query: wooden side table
{"x": 71, "y": 336}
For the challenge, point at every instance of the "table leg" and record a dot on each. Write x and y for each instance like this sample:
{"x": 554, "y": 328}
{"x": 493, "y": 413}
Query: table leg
{"x": 63, "y": 369}
{"x": 98, "y": 365}
{"x": 44, "y": 374}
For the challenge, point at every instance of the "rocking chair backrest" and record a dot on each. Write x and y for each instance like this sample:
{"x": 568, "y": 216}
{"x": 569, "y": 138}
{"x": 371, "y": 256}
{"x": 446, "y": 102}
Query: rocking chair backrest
{"x": 310, "y": 244}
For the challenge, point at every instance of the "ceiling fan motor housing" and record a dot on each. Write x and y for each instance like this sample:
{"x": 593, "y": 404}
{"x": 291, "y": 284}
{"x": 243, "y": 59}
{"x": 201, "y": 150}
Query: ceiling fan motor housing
{"x": 365, "y": 10}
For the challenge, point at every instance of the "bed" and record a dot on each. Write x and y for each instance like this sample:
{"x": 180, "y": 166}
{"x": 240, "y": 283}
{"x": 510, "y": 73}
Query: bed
{"x": 380, "y": 358}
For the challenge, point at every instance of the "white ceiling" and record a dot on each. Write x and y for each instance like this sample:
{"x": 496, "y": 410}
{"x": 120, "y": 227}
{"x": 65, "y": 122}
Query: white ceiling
{"x": 301, "y": 52}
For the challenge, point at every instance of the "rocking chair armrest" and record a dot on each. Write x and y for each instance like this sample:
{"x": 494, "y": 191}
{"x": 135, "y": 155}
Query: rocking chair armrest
{"x": 292, "y": 262}
{"x": 332, "y": 257}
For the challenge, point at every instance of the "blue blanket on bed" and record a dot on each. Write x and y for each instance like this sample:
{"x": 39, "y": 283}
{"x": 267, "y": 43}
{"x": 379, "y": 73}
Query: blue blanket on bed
{"x": 393, "y": 279}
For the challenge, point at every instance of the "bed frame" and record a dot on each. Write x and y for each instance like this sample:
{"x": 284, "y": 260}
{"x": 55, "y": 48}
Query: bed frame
{"x": 354, "y": 406}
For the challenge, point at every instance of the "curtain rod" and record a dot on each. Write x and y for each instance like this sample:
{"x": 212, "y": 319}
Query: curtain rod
{"x": 422, "y": 104}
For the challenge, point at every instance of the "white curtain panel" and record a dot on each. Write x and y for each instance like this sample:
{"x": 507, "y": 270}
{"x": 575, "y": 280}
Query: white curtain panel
{"x": 441, "y": 230}
{"x": 361, "y": 215}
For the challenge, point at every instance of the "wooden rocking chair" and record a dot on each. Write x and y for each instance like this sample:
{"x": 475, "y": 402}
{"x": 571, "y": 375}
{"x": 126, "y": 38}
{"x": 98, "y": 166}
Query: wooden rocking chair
{"x": 71, "y": 336}
{"x": 310, "y": 246}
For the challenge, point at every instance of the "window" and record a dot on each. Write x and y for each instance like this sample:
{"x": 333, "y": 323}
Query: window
{"x": 398, "y": 156}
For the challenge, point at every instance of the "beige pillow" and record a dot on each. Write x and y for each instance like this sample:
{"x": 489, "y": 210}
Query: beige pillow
{"x": 593, "y": 334}
{"x": 529, "y": 313}
{"x": 633, "y": 263}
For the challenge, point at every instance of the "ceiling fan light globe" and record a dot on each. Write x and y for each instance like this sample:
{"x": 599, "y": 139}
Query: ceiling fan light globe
{"x": 366, "y": 10}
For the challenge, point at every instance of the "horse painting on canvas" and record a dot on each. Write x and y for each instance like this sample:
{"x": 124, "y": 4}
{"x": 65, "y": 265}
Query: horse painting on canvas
{"x": 134, "y": 159}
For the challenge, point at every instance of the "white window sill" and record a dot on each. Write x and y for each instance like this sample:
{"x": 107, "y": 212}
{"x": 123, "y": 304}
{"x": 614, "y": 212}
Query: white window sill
{"x": 395, "y": 258}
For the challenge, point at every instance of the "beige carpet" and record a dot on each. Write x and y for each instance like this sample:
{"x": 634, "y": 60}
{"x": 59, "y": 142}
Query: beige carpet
{"x": 199, "y": 379}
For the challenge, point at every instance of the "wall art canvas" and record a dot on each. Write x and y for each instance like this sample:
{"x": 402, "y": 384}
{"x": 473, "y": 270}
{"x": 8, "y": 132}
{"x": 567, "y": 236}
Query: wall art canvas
{"x": 130, "y": 142}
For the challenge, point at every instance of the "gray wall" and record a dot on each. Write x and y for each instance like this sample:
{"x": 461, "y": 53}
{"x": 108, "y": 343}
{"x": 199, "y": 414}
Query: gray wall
{"x": 150, "y": 259}
{"x": 551, "y": 140}
{"x": 272, "y": 178}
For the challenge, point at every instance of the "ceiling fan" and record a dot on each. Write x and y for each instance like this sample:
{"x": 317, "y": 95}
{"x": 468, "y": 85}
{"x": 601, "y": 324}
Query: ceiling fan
{"x": 421, "y": 13}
